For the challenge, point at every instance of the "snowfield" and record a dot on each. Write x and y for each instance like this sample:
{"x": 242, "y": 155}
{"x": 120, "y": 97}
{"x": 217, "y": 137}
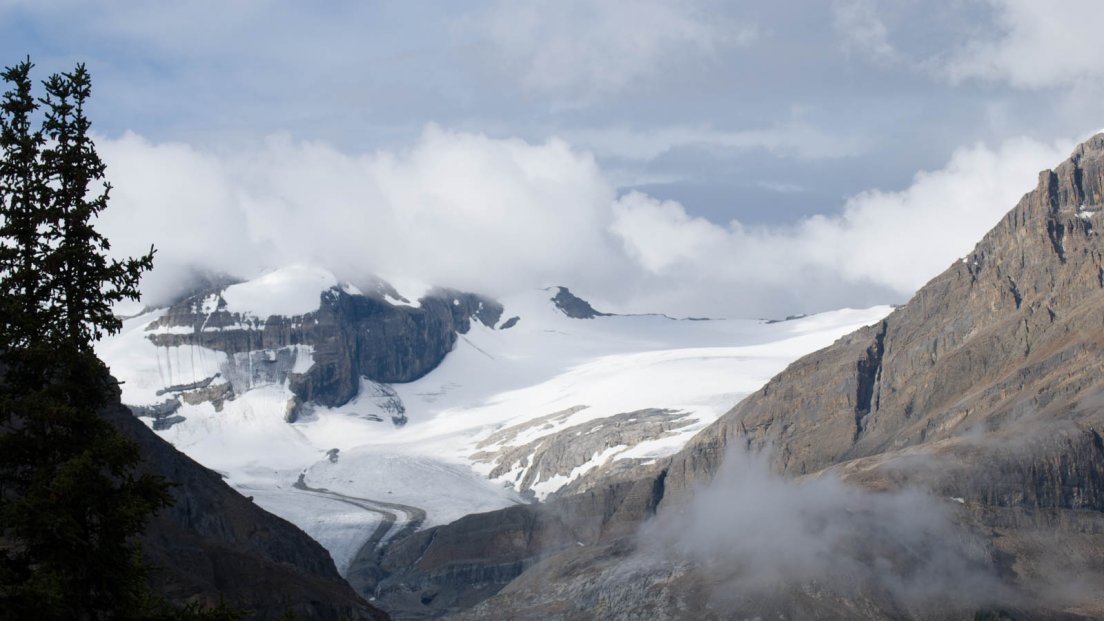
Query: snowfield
{"x": 382, "y": 478}
{"x": 287, "y": 292}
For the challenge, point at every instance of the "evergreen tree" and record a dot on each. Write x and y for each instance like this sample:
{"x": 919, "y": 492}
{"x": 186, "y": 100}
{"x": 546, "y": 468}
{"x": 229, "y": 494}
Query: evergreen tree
{"x": 22, "y": 211}
{"x": 71, "y": 504}
{"x": 85, "y": 282}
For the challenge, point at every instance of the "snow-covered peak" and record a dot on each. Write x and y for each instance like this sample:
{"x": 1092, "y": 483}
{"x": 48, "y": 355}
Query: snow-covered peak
{"x": 288, "y": 291}
{"x": 404, "y": 291}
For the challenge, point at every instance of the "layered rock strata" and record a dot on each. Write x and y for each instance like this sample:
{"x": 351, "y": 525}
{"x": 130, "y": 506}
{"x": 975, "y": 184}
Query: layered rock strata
{"x": 324, "y": 354}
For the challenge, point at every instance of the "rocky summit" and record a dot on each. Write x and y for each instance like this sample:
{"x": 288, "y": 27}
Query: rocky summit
{"x": 944, "y": 463}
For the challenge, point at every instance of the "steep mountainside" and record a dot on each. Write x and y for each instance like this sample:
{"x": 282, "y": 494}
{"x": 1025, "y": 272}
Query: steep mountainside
{"x": 1008, "y": 342}
{"x": 215, "y": 545}
{"x": 985, "y": 392}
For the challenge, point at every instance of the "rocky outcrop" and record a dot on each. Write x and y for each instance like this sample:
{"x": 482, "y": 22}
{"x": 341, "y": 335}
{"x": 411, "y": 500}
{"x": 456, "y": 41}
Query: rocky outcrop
{"x": 215, "y": 394}
{"x": 215, "y": 545}
{"x": 163, "y": 414}
{"x": 574, "y": 306}
{"x": 586, "y": 452}
{"x": 985, "y": 390}
{"x": 213, "y": 390}
{"x": 323, "y": 355}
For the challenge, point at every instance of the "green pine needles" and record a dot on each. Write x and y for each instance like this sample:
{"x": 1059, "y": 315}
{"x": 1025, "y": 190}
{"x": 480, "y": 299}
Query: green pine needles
{"x": 53, "y": 262}
{"x": 71, "y": 503}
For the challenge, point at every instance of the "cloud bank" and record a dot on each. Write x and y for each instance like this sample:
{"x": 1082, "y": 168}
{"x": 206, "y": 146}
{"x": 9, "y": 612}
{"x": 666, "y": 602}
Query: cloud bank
{"x": 895, "y": 241}
{"x": 502, "y": 215}
{"x": 455, "y": 209}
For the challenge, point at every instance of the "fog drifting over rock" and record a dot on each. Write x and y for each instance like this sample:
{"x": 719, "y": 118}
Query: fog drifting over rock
{"x": 762, "y": 538}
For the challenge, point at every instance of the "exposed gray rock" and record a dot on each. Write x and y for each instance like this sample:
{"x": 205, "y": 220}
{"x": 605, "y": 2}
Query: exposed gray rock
{"x": 157, "y": 410}
{"x": 507, "y": 435}
{"x": 573, "y": 306}
{"x": 203, "y": 383}
{"x": 293, "y": 410}
{"x": 387, "y": 400}
{"x": 788, "y": 318}
{"x": 466, "y": 306}
{"x": 509, "y": 323}
{"x": 350, "y": 336}
{"x": 560, "y": 453}
{"x": 163, "y": 423}
{"x": 215, "y": 394}
{"x": 163, "y": 414}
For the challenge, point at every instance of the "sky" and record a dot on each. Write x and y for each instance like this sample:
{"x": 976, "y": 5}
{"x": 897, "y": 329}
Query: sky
{"x": 696, "y": 157}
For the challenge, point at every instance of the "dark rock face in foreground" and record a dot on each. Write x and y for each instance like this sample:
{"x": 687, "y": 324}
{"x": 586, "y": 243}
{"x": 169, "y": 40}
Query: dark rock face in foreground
{"x": 351, "y": 336}
{"x": 216, "y": 545}
{"x": 986, "y": 391}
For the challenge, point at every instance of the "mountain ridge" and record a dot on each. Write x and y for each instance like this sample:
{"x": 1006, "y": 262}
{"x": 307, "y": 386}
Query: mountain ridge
{"x": 984, "y": 390}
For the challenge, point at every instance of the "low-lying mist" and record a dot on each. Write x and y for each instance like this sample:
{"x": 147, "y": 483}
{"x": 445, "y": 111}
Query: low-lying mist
{"x": 766, "y": 543}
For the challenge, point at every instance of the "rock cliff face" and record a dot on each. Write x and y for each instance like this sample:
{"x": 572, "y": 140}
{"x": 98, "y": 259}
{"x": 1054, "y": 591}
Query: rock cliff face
{"x": 1006, "y": 340}
{"x": 215, "y": 545}
{"x": 986, "y": 390}
{"x": 324, "y": 354}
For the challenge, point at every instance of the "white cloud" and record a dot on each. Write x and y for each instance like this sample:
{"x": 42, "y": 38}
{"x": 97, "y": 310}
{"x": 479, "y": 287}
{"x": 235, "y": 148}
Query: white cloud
{"x": 884, "y": 241}
{"x": 577, "y": 49}
{"x": 501, "y": 215}
{"x": 1039, "y": 45}
{"x": 456, "y": 209}
{"x": 791, "y": 139}
{"x": 660, "y": 234}
{"x": 902, "y": 239}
